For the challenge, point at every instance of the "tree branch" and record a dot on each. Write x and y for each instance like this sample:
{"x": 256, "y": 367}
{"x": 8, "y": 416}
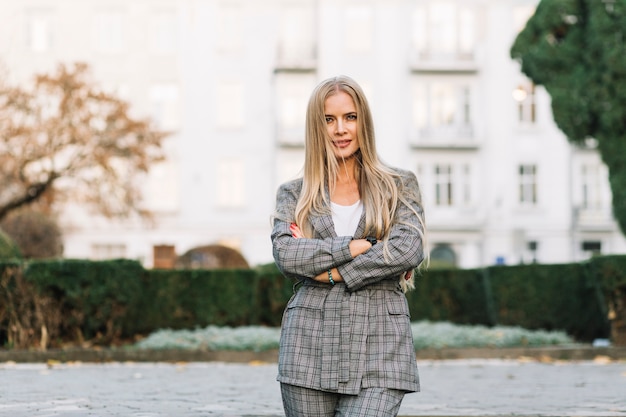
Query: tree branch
{"x": 32, "y": 193}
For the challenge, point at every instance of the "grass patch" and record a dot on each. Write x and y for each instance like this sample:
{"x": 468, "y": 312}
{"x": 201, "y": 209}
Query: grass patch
{"x": 425, "y": 335}
{"x": 447, "y": 335}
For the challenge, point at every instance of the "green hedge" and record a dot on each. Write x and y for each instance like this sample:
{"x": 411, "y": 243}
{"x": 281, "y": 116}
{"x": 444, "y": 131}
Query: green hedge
{"x": 457, "y": 296}
{"x": 101, "y": 302}
{"x": 94, "y": 299}
{"x": 549, "y": 297}
{"x": 180, "y": 299}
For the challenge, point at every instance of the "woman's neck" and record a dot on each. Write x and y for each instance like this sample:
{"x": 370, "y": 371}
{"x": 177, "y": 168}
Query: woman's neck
{"x": 346, "y": 172}
{"x": 346, "y": 190}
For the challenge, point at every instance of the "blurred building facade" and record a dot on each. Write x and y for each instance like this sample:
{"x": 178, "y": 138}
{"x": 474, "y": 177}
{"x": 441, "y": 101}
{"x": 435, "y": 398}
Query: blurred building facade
{"x": 231, "y": 78}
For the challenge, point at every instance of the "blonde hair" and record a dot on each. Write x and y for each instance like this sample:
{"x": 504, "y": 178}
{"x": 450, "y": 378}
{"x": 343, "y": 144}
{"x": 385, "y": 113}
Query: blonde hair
{"x": 380, "y": 187}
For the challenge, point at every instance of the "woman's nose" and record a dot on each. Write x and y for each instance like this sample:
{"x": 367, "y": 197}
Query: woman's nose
{"x": 340, "y": 128}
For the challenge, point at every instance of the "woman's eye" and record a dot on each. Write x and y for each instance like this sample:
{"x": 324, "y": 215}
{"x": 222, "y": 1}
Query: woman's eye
{"x": 352, "y": 117}
{"x": 329, "y": 119}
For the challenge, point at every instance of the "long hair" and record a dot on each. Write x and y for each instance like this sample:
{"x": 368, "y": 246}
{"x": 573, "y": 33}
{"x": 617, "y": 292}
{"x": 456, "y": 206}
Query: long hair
{"x": 380, "y": 187}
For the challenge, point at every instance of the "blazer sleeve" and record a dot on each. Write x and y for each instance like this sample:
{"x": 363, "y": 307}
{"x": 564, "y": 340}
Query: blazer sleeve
{"x": 302, "y": 257}
{"x": 404, "y": 244}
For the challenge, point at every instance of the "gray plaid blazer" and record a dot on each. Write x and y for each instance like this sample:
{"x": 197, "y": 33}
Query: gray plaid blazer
{"x": 355, "y": 334}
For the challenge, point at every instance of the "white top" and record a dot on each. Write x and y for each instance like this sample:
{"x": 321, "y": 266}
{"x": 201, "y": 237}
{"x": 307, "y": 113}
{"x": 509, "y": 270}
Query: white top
{"x": 346, "y": 218}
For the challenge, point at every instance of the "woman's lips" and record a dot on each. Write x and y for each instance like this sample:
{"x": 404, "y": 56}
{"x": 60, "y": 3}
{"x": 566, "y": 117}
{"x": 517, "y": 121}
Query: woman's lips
{"x": 342, "y": 143}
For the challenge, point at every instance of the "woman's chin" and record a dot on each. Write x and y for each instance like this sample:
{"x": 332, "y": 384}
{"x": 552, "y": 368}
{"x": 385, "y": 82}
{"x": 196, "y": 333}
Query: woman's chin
{"x": 345, "y": 155}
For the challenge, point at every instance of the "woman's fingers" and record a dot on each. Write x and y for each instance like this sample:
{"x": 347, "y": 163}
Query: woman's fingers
{"x": 295, "y": 231}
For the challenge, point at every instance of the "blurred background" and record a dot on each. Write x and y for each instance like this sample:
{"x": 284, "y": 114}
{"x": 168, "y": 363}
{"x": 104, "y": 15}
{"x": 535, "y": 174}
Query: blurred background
{"x": 228, "y": 81}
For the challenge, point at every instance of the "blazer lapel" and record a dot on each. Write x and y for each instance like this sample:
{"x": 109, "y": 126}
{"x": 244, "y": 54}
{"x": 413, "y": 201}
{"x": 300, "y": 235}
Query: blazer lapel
{"x": 360, "y": 229}
{"x": 323, "y": 225}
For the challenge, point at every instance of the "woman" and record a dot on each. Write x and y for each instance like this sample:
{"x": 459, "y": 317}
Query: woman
{"x": 351, "y": 231}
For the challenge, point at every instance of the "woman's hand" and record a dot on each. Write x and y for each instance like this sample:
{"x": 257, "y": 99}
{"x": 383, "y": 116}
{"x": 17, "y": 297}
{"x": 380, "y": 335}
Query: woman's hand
{"x": 407, "y": 275}
{"x": 359, "y": 247}
{"x": 295, "y": 231}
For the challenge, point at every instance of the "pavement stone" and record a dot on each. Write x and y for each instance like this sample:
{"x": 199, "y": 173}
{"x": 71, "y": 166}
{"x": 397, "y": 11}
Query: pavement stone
{"x": 459, "y": 387}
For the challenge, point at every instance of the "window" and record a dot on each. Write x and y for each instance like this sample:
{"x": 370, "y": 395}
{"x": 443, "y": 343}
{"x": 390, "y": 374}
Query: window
{"x": 466, "y": 181}
{"x": 162, "y": 190}
{"x": 443, "y": 30}
{"x": 528, "y": 184}
{"x": 164, "y": 32}
{"x": 164, "y": 100}
{"x": 593, "y": 247}
{"x": 289, "y": 164}
{"x": 442, "y": 109}
{"x": 443, "y": 105}
{"x": 532, "y": 248}
{"x": 39, "y": 31}
{"x": 524, "y": 96}
{"x": 230, "y": 104}
{"x": 297, "y": 35}
{"x": 592, "y": 180}
{"x": 419, "y": 30}
{"x": 230, "y": 183}
{"x": 109, "y": 28}
{"x": 443, "y": 185}
{"x": 358, "y": 29}
{"x": 467, "y": 33}
{"x": 230, "y": 26}
{"x": 103, "y": 251}
{"x": 452, "y": 183}
{"x": 292, "y": 96}
{"x": 443, "y": 27}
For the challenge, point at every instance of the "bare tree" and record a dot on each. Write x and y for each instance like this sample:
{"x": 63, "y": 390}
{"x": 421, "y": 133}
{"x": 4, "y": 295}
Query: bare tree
{"x": 64, "y": 139}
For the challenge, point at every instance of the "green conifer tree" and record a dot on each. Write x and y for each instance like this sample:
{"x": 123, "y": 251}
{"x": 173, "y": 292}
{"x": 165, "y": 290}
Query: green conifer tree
{"x": 576, "y": 50}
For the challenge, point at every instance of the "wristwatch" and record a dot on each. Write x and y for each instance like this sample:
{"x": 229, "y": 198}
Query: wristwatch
{"x": 371, "y": 240}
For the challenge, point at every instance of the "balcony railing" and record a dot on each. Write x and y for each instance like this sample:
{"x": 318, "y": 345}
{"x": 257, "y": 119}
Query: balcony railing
{"x": 437, "y": 61}
{"x": 290, "y": 137}
{"x": 456, "y": 218}
{"x": 594, "y": 219}
{"x": 455, "y": 136}
{"x": 302, "y": 58}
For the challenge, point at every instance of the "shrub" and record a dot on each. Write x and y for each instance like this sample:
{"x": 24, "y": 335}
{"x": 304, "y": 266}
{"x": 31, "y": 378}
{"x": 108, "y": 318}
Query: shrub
{"x": 8, "y": 248}
{"x": 37, "y": 235}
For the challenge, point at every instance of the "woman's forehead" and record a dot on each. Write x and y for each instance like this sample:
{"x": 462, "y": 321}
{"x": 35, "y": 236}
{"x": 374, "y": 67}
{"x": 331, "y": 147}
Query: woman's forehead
{"x": 339, "y": 101}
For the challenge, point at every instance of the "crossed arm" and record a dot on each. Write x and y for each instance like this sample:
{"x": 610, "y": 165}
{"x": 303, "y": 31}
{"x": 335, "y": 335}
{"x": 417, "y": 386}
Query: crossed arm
{"x": 354, "y": 262}
{"x": 357, "y": 247}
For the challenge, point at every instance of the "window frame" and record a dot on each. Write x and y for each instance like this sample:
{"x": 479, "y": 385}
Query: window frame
{"x": 528, "y": 184}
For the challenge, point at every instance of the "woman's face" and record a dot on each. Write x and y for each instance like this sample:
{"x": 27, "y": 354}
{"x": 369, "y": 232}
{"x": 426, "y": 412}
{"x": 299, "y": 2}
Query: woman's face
{"x": 341, "y": 124}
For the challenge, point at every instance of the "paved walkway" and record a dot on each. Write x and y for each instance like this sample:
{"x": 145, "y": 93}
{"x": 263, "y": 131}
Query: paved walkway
{"x": 473, "y": 387}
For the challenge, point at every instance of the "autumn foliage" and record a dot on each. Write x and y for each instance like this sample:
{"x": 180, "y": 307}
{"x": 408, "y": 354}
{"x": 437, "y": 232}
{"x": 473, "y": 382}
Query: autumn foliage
{"x": 65, "y": 139}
